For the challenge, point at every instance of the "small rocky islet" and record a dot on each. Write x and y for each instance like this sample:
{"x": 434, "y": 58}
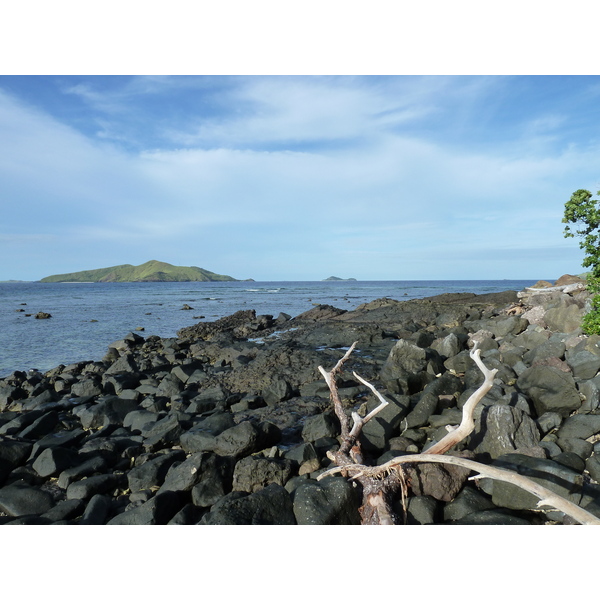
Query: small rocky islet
{"x": 230, "y": 422}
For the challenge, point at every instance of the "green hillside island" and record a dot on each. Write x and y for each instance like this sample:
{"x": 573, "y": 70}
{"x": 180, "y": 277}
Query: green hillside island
{"x": 334, "y": 278}
{"x": 150, "y": 271}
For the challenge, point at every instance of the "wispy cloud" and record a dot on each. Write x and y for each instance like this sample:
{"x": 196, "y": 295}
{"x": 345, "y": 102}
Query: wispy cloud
{"x": 284, "y": 178}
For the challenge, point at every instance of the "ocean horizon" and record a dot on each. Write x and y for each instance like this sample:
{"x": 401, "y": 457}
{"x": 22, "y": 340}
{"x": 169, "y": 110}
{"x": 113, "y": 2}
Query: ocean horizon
{"x": 87, "y": 318}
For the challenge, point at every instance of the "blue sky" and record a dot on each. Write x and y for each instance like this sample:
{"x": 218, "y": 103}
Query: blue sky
{"x": 296, "y": 177}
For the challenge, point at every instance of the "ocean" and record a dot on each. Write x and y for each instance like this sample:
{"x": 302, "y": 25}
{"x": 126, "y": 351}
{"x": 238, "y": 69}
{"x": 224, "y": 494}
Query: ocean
{"x": 87, "y": 317}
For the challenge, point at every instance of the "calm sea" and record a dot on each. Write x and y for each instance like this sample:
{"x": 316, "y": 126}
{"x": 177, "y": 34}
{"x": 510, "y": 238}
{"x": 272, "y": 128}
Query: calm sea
{"x": 86, "y": 318}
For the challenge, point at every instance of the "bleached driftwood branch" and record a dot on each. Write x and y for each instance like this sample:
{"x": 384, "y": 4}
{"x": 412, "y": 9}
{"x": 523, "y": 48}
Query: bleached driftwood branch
{"x": 375, "y": 500}
{"x": 335, "y": 398}
{"x": 571, "y": 287}
{"x": 467, "y": 424}
{"x": 547, "y": 498}
{"x": 377, "y": 492}
{"x": 359, "y": 421}
{"x": 350, "y": 435}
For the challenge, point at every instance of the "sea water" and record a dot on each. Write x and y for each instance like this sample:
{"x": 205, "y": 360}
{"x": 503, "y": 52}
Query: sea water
{"x": 87, "y": 317}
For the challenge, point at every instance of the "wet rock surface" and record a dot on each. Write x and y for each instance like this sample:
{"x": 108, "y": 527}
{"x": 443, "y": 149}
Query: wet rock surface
{"x": 230, "y": 422}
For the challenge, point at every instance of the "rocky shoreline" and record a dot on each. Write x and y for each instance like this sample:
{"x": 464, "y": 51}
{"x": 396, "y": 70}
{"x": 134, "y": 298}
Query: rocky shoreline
{"x": 230, "y": 422}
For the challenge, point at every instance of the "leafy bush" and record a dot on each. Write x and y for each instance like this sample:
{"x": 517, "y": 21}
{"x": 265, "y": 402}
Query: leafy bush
{"x": 584, "y": 211}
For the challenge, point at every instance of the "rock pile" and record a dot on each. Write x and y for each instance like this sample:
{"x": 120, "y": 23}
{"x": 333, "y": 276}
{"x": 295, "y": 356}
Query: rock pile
{"x": 230, "y": 422}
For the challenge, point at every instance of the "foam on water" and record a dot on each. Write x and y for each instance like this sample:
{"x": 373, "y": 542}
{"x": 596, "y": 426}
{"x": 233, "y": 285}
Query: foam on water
{"x": 87, "y": 318}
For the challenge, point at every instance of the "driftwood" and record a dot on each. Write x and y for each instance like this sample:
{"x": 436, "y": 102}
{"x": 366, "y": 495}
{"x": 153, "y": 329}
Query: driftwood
{"x": 378, "y": 492}
{"x": 571, "y": 287}
{"x": 382, "y": 483}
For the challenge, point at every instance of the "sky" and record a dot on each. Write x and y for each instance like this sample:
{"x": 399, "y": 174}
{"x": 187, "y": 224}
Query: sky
{"x": 296, "y": 177}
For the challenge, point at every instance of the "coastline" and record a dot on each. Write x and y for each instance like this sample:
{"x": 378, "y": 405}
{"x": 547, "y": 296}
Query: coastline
{"x": 230, "y": 422}
{"x": 86, "y": 319}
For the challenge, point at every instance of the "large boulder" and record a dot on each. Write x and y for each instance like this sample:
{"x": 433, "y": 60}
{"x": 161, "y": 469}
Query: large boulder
{"x": 331, "y": 501}
{"x": 550, "y": 389}
{"x": 320, "y": 426}
{"x": 246, "y": 438}
{"x": 404, "y": 359}
{"x": 580, "y": 427}
{"x": 153, "y": 472}
{"x": 442, "y": 482}
{"x": 584, "y": 364}
{"x": 110, "y": 410}
{"x": 200, "y": 472}
{"x": 19, "y": 499}
{"x": 254, "y": 473}
{"x": 408, "y": 367}
{"x": 565, "y": 318}
{"x": 504, "y": 428}
{"x": 555, "y": 477}
{"x": 377, "y": 432}
{"x": 270, "y": 506}
{"x": 158, "y": 510}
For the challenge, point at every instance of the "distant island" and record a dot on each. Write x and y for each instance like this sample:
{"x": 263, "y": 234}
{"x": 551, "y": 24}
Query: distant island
{"x": 150, "y": 271}
{"x": 333, "y": 278}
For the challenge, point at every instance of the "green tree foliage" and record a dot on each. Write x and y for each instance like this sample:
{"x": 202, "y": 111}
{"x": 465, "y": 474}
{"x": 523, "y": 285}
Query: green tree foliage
{"x": 583, "y": 211}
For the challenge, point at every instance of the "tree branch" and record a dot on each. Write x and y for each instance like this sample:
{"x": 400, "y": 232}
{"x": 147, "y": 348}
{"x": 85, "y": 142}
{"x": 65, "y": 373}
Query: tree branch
{"x": 467, "y": 424}
{"x": 335, "y": 398}
{"x": 546, "y": 497}
{"x": 359, "y": 421}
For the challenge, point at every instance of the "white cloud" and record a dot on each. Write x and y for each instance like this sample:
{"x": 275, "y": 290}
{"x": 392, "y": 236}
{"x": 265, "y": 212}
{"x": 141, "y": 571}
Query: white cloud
{"x": 387, "y": 205}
